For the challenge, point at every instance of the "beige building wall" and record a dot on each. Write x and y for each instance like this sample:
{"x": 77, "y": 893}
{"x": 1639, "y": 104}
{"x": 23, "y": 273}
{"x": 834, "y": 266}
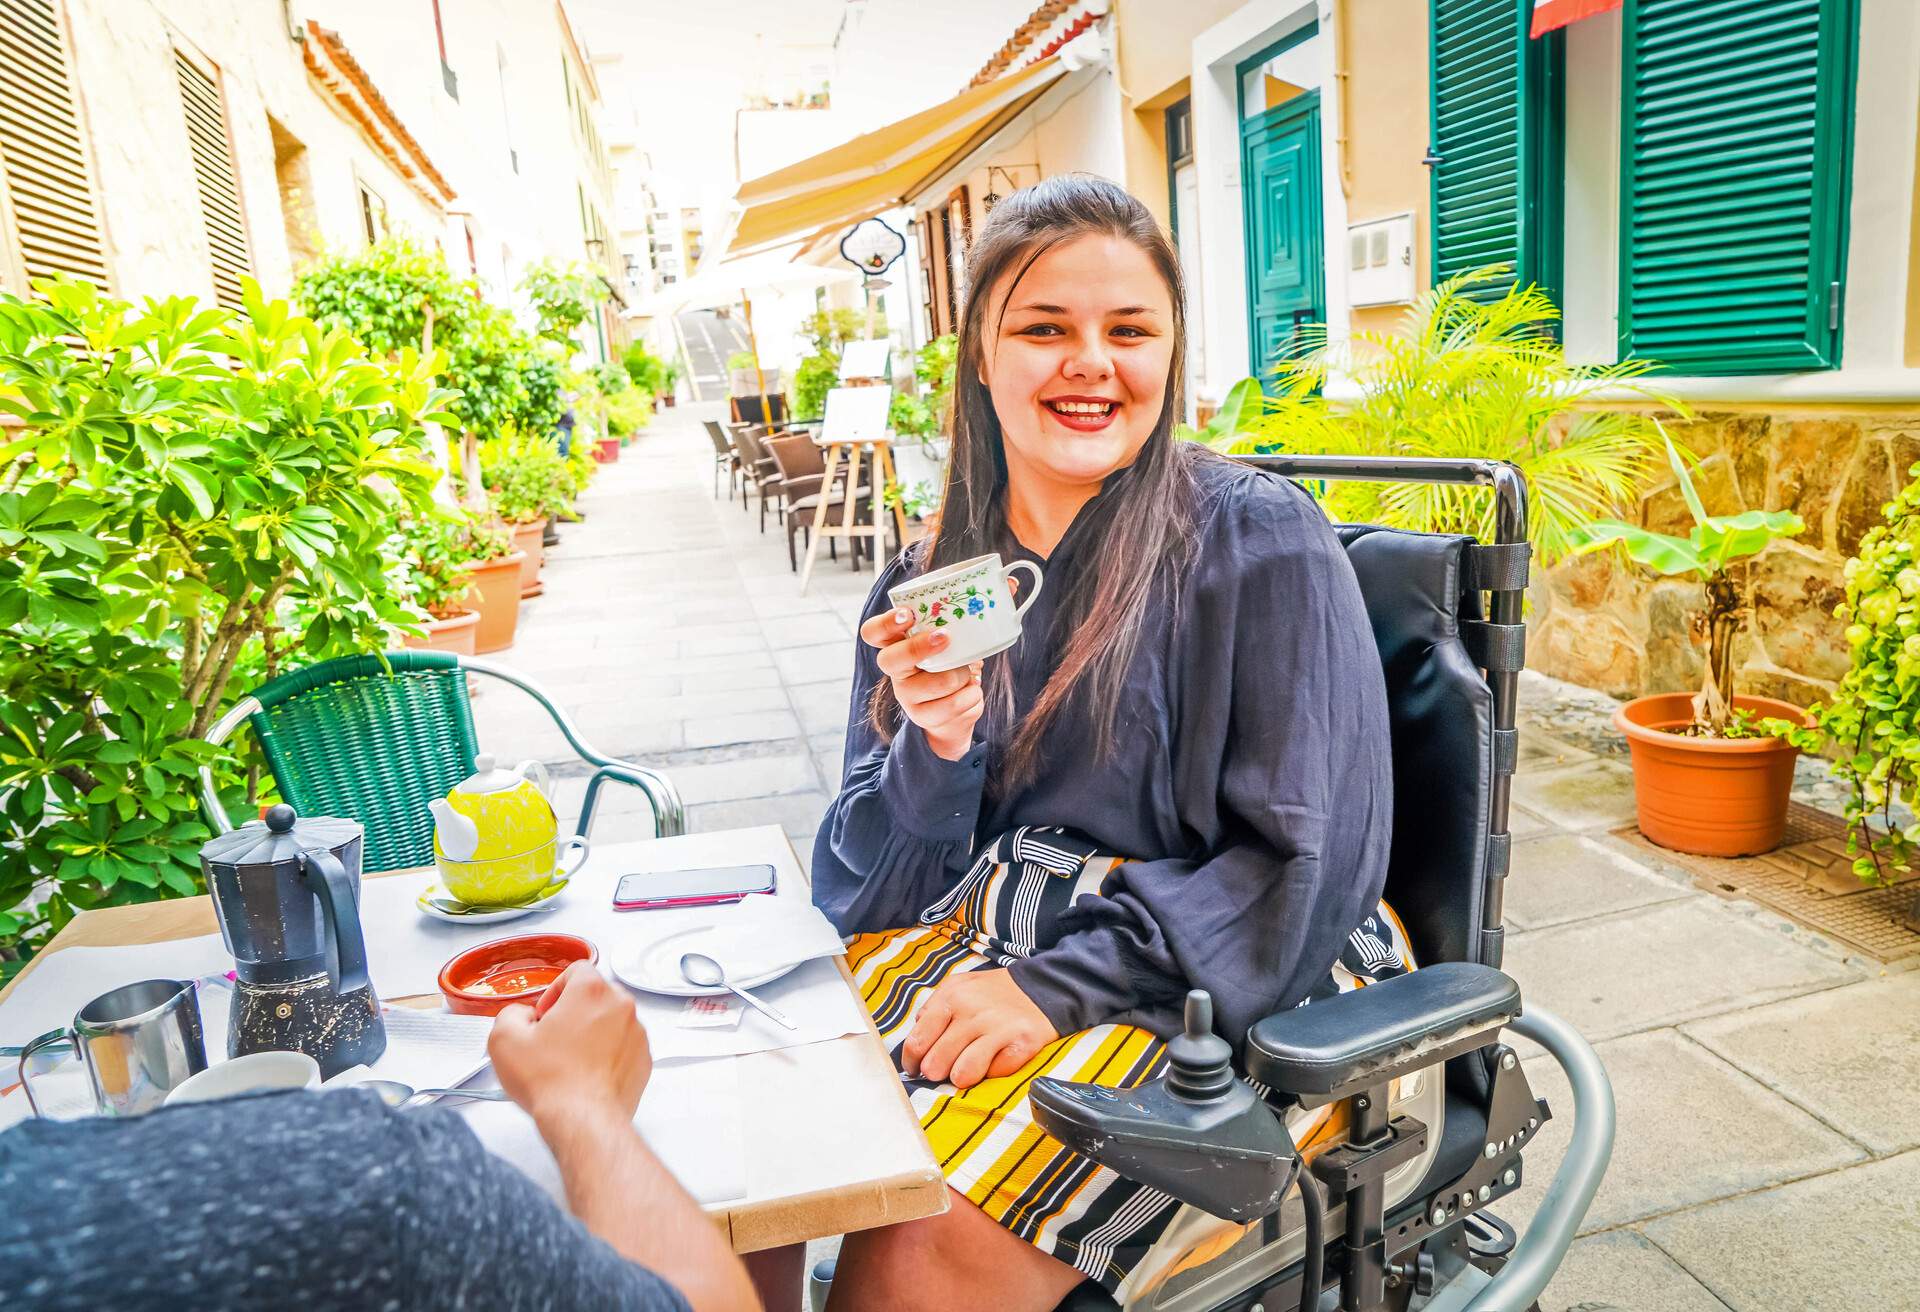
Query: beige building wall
{"x": 1153, "y": 51}
{"x": 143, "y": 172}
{"x": 1385, "y": 124}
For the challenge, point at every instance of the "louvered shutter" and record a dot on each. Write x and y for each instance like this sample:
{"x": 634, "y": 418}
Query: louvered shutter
{"x": 213, "y": 174}
{"x": 40, "y": 147}
{"x": 1734, "y": 182}
{"x": 1496, "y": 142}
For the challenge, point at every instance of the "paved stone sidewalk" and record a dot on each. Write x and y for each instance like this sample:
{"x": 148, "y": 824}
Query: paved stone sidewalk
{"x": 1769, "y": 1147}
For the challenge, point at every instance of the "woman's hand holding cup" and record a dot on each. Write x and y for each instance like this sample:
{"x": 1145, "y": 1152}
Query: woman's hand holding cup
{"x": 946, "y": 705}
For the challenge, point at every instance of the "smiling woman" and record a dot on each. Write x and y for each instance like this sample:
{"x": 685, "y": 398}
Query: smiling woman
{"x": 1177, "y": 779}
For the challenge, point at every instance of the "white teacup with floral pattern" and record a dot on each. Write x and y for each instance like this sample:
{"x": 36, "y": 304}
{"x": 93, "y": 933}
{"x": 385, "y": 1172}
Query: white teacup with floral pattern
{"x": 970, "y": 603}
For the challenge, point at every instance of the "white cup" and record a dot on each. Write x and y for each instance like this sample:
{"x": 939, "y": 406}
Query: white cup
{"x": 970, "y": 603}
{"x": 257, "y": 1072}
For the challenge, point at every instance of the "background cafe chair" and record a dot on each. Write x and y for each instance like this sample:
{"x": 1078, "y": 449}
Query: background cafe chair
{"x": 802, "y": 470}
{"x": 725, "y": 460}
{"x": 1439, "y": 1112}
{"x": 756, "y": 466}
{"x": 375, "y": 738}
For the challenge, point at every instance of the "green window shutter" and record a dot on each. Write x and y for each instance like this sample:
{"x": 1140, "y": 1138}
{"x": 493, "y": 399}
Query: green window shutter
{"x": 1496, "y": 142}
{"x": 220, "y": 216}
{"x": 43, "y": 161}
{"x": 1736, "y": 119}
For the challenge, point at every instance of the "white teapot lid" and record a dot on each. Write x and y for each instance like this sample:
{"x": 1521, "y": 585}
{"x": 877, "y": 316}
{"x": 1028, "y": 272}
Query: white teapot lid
{"x": 487, "y": 778}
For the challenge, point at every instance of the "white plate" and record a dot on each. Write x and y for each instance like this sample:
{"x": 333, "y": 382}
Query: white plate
{"x": 655, "y": 967}
{"x": 541, "y": 903}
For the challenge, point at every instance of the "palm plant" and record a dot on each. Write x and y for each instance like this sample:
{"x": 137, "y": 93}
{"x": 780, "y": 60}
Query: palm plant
{"x": 1467, "y": 377}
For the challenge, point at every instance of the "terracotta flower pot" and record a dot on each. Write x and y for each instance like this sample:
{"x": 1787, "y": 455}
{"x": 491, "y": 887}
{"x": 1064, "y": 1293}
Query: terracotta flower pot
{"x": 496, "y": 595}
{"x": 454, "y": 634}
{"x": 1708, "y": 796}
{"x": 527, "y": 539}
{"x": 606, "y": 449}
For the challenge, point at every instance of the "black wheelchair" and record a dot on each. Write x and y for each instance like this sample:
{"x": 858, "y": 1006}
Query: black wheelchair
{"x": 1439, "y": 1113}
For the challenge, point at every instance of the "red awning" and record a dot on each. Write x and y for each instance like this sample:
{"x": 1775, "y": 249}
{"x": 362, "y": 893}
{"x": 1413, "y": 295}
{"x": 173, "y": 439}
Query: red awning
{"x": 1551, "y": 14}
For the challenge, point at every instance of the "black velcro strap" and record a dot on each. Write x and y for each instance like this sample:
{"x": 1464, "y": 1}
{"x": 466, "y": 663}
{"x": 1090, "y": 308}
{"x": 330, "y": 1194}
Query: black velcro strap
{"x": 1499, "y": 855}
{"x": 1499, "y": 567}
{"x": 1506, "y": 750}
{"x": 1495, "y": 646}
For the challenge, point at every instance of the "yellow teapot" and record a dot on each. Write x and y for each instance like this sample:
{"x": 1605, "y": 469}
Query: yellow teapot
{"x": 496, "y": 838}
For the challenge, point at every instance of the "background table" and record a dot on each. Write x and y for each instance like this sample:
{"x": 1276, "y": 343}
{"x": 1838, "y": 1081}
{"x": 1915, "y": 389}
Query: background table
{"x": 832, "y": 1145}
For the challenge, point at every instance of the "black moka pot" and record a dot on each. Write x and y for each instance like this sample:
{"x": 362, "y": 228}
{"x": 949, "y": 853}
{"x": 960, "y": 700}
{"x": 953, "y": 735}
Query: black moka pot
{"x": 287, "y": 892}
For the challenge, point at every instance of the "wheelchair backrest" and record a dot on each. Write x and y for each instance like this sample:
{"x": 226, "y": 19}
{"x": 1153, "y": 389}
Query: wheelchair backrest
{"x": 1419, "y": 591}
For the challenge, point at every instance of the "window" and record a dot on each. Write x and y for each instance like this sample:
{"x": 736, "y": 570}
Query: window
{"x": 220, "y": 213}
{"x": 46, "y": 201}
{"x": 1180, "y": 133}
{"x": 294, "y": 175}
{"x": 1497, "y": 179}
{"x": 373, "y": 214}
{"x": 1735, "y": 126}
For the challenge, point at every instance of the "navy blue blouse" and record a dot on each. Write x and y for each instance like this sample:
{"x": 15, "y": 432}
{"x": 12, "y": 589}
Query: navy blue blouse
{"x": 1249, "y": 785}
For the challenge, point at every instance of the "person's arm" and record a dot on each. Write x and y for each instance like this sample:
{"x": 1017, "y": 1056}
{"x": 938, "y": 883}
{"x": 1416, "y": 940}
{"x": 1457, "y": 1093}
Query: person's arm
{"x": 900, "y": 831}
{"x": 578, "y": 1064}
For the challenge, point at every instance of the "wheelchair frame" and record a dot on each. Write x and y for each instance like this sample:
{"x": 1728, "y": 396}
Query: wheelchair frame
{"x": 1423, "y": 1250}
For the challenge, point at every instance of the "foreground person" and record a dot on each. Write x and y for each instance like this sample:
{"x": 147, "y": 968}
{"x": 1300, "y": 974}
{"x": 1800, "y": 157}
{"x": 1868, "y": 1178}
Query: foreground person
{"x": 1179, "y": 777}
{"x": 333, "y": 1201}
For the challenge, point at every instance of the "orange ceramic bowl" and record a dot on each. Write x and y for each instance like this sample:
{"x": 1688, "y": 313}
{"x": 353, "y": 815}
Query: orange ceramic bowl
{"x": 490, "y": 976}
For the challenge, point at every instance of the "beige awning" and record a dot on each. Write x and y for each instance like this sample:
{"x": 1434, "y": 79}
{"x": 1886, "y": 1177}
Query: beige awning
{"x": 883, "y": 168}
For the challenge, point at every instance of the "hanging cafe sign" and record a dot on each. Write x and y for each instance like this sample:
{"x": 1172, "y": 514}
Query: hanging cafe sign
{"x": 872, "y": 247}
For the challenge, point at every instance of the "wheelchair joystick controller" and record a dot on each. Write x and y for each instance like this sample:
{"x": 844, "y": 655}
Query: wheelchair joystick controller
{"x": 1197, "y": 1132}
{"x": 1200, "y": 1062}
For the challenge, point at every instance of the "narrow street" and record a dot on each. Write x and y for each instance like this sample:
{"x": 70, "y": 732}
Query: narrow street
{"x": 1758, "y": 1145}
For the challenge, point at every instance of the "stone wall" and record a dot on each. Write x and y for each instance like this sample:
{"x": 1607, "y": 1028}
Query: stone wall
{"x": 1602, "y": 621}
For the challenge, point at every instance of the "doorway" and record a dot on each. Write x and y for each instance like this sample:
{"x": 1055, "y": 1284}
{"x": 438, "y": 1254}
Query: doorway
{"x": 1280, "y": 185}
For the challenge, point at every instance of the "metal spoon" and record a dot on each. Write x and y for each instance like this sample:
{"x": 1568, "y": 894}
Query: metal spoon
{"x": 698, "y": 968}
{"x": 395, "y": 1094}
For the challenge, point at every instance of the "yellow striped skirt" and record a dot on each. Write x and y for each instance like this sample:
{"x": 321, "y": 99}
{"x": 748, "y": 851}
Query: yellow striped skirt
{"x": 985, "y": 1138}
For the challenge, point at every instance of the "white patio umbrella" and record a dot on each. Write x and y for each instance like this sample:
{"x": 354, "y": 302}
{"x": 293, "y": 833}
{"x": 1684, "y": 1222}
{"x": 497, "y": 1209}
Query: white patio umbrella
{"x": 734, "y": 281}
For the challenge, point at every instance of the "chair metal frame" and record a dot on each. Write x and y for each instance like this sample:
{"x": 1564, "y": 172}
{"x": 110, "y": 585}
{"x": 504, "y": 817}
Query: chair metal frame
{"x": 669, "y": 813}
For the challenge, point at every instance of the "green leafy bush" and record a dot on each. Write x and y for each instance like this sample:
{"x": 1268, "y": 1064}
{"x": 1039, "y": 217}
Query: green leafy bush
{"x": 383, "y": 295}
{"x": 611, "y": 379}
{"x": 564, "y": 295}
{"x": 630, "y": 411}
{"x": 740, "y": 360}
{"x": 196, "y": 495}
{"x": 1872, "y": 722}
{"x": 816, "y": 376}
{"x": 644, "y": 368}
{"x": 1474, "y": 379}
{"x": 925, "y": 416}
{"x": 525, "y": 476}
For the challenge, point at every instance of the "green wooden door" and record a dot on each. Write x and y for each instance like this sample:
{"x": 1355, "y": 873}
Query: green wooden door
{"x": 1286, "y": 270}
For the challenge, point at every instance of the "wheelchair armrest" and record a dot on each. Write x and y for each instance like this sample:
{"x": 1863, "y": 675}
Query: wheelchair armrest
{"x": 1343, "y": 1045}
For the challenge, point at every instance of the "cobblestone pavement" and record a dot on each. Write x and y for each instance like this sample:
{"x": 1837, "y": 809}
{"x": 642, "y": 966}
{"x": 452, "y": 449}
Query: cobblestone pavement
{"x": 1768, "y": 1157}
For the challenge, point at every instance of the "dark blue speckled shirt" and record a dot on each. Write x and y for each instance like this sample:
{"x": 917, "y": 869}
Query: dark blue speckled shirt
{"x": 1250, "y": 783}
{"x": 328, "y": 1202}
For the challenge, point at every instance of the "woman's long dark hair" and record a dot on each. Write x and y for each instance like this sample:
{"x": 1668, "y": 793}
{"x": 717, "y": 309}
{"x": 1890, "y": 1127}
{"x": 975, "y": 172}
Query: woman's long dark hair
{"x": 1140, "y": 531}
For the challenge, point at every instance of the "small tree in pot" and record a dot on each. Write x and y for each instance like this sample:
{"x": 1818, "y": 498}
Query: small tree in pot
{"x": 1708, "y": 776}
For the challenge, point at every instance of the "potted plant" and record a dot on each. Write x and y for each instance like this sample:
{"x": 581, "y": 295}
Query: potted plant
{"x": 526, "y": 480}
{"x": 1873, "y": 718}
{"x": 1709, "y": 776}
{"x": 669, "y": 375}
{"x": 920, "y": 502}
{"x": 492, "y": 570}
{"x": 433, "y": 573}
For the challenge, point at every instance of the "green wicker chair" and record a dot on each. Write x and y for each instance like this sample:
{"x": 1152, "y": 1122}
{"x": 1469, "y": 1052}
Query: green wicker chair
{"x": 376, "y": 742}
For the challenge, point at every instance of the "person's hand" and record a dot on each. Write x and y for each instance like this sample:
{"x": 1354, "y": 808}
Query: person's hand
{"x": 947, "y": 705}
{"x": 579, "y": 1050}
{"x": 977, "y": 1024}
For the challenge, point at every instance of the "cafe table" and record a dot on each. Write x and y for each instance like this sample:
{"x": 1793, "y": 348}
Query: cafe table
{"x": 831, "y": 1144}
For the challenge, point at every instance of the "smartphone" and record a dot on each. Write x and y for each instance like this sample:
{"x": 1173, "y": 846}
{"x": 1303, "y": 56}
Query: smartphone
{"x": 690, "y": 888}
